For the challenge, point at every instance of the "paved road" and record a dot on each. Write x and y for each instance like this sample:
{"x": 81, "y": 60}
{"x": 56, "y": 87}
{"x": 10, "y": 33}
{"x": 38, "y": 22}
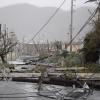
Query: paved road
{"x": 27, "y": 91}
{"x": 18, "y": 91}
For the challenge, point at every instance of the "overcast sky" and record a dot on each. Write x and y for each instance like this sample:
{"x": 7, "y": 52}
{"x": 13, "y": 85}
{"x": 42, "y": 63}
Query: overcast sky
{"x": 43, "y": 3}
{"x": 46, "y": 3}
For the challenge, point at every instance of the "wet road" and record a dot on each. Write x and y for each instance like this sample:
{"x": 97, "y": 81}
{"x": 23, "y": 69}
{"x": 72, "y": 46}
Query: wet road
{"x": 27, "y": 91}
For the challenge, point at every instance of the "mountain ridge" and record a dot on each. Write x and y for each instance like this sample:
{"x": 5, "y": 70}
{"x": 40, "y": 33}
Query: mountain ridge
{"x": 26, "y": 20}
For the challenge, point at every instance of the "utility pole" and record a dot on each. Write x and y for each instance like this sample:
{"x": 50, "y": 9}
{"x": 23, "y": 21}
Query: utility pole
{"x": 0, "y": 29}
{"x": 99, "y": 10}
{"x": 48, "y": 46}
{"x": 6, "y": 28}
{"x": 71, "y": 26}
{"x": 5, "y": 32}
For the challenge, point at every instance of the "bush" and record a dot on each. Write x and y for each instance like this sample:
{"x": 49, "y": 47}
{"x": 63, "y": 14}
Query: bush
{"x": 93, "y": 68}
{"x": 3, "y": 66}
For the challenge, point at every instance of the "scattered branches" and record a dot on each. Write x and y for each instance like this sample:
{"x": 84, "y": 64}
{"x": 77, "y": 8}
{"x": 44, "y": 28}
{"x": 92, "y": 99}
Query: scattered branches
{"x": 7, "y": 43}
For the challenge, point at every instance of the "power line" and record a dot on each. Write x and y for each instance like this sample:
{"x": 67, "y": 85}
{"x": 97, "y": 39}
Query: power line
{"x": 50, "y": 18}
{"x": 89, "y": 19}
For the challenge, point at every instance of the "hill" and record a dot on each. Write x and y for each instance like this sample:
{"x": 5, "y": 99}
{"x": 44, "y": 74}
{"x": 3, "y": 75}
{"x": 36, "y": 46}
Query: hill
{"x": 27, "y": 19}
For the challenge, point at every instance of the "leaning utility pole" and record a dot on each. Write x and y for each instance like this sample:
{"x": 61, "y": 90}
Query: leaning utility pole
{"x": 99, "y": 10}
{"x": 71, "y": 26}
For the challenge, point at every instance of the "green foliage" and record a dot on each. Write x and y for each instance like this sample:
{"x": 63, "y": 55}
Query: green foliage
{"x": 58, "y": 45}
{"x": 72, "y": 59}
{"x": 11, "y": 66}
{"x": 40, "y": 69}
{"x": 91, "y": 47}
{"x": 64, "y": 53}
{"x": 5, "y": 65}
{"x": 54, "y": 59}
{"x": 93, "y": 68}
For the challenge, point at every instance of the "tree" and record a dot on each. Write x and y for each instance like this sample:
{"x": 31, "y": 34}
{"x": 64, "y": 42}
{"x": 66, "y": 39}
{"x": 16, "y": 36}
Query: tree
{"x": 7, "y": 43}
{"x": 92, "y": 44}
{"x": 91, "y": 49}
{"x": 58, "y": 45}
{"x": 64, "y": 53}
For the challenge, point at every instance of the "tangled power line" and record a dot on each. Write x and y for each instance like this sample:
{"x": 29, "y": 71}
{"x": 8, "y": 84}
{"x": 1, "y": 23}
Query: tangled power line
{"x": 51, "y": 17}
{"x": 47, "y": 22}
{"x": 85, "y": 24}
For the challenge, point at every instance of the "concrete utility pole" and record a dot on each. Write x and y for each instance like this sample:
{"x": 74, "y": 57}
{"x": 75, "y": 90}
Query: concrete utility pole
{"x": 71, "y": 26}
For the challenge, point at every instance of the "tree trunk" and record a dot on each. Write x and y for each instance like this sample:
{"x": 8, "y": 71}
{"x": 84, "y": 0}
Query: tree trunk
{"x": 3, "y": 59}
